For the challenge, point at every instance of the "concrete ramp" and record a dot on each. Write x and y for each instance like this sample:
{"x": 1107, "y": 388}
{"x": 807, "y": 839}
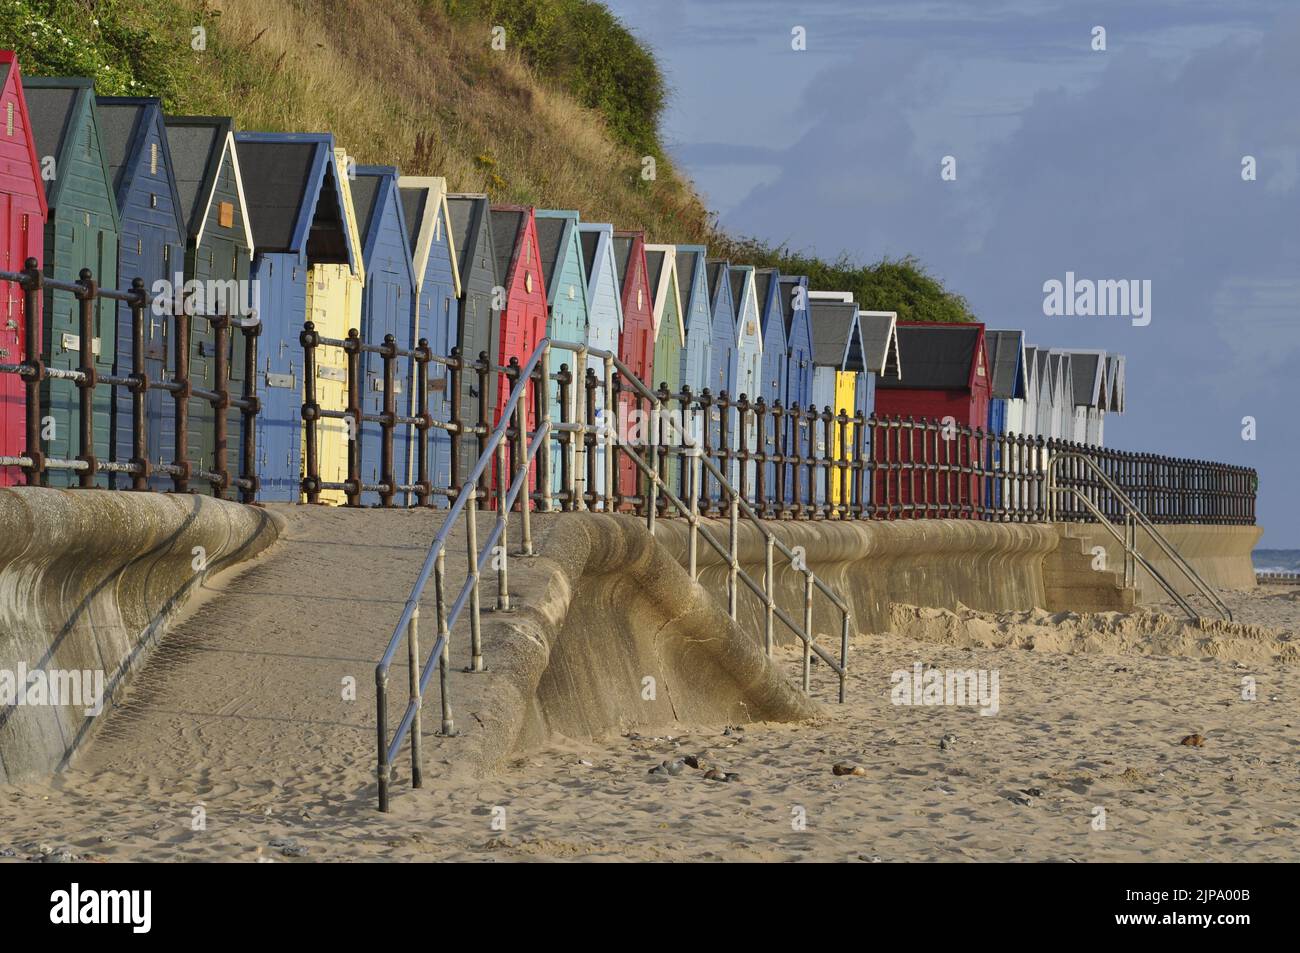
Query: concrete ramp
{"x": 266, "y": 686}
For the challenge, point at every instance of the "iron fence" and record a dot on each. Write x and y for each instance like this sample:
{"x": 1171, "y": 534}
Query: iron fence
{"x": 145, "y": 459}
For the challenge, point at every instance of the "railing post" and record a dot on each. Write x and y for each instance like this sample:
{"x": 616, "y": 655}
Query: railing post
{"x": 355, "y": 425}
{"x": 383, "y": 771}
{"x": 693, "y": 540}
{"x": 566, "y": 439}
{"x": 139, "y": 387}
{"x": 807, "y": 630}
{"x": 761, "y": 488}
{"x": 422, "y": 429}
{"x": 444, "y": 633}
{"x": 87, "y": 299}
{"x": 475, "y": 614}
{"x": 590, "y": 437}
{"x": 524, "y": 463}
{"x": 652, "y": 460}
{"x": 611, "y": 408}
{"x": 413, "y": 665}
{"x": 484, "y": 369}
{"x": 733, "y": 579}
{"x": 769, "y": 591}
{"x": 221, "y": 406}
{"x": 248, "y": 414}
{"x": 311, "y": 411}
{"x": 456, "y": 418}
{"x": 578, "y": 439}
{"x": 503, "y": 514}
{"x": 707, "y": 410}
{"x": 33, "y": 302}
{"x": 182, "y": 394}
{"x": 388, "y": 422}
{"x": 844, "y": 656}
{"x": 542, "y": 413}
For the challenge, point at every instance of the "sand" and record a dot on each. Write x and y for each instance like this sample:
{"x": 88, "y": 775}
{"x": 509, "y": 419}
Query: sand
{"x": 1083, "y": 760}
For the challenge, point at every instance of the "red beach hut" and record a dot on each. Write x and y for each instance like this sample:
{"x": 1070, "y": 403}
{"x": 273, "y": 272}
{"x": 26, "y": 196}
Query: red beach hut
{"x": 519, "y": 269}
{"x": 636, "y": 341}
{"x": 945, "y": 380}
{"x": 22, "y": 236}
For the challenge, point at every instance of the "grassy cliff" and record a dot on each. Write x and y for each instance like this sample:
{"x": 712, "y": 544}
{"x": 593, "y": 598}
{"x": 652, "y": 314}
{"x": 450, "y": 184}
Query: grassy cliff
{"x": 547, "y": 102}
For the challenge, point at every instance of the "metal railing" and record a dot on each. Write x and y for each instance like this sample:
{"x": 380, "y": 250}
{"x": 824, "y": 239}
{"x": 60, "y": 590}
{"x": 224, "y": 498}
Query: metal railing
{"x": 87, "y": 378}
{"x": 528, "y": 456}
{"x": 1083, "y": 480}
{"x": 512, "y": 426}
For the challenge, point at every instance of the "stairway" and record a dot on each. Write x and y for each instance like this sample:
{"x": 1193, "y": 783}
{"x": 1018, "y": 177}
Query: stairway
{"x": 1071, "y": 583}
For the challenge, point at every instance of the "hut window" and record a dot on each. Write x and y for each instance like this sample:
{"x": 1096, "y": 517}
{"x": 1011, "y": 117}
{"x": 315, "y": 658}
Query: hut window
{"x": 226, "y": 214}
{"x": 153, "y": 200}
{"x": 437, "y": 228}
{"x": 528, "y": 281}
{"x": 167, "y": 254}
{"x": 87, "y": 219}
{"x": 9, "y": 118}
{"x": 153, "y": 158}
{"x": 571, "y": 292}
{"x": 139, "y": 246}
{"x": 638, "y": 297}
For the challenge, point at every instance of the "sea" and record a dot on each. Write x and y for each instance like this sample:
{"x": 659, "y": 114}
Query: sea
{"x": 1276, "y": 560}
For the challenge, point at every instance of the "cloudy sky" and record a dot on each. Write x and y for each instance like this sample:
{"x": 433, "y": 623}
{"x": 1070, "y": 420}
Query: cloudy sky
{"x": 1117, "y": 164}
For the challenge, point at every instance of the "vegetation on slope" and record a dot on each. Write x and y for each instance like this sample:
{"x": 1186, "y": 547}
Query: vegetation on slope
{"x": 563, "y": 117}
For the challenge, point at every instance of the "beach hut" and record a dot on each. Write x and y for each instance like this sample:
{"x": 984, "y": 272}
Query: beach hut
{"x": 218, "y": 251}
{"x": 81, "y": 231}
{"x": 386, "y": 308}
{"x": 693, "y": 280}
{"x": 1046, "y": 378}
{"x": 722, "y": 357}
{"x": 604, "y": 318}
{"x": 519, "y": 270}
{"x": 946, "y": 375}
{"x": 1062, "y": 396}
{"x": 22, "y": 227}
{"x": 747, "y": 367}
{"x": 670, "y": 342}
{"x": 435, "y": 312}
{"x": 479, "y": 326}
{"x": 1082, "y": 414}
{"x": 1029, "y": 422}
{"x": 838, "y": 368}
{"x": 151, "y": 247}
{"x": 295, "y": 206}
{"x": 1008, "y": 386}
{"x": 636, "y": 342}
{"x": 773, "y": 382}
{"x": 1115, "y": 364}
{"x": 799, "y": 365}
{"x": 945, "y": 380}
{"x": 564, "y": 273}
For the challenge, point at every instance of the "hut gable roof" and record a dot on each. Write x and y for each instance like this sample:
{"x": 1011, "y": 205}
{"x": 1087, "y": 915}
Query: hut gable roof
{"x": 1007, "y": 359}
{"x": 295, "y": 199}
{"x": 837, "y": 340}
{"x": 939, "y": 356}
{"x": 424, "y": 209}
{"x": 880, "y": 343}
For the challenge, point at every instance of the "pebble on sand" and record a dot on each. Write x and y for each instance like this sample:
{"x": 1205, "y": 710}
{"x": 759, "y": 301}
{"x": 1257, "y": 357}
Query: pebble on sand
{"x": 844, "y": 767}
{"x": 1193, "y": 741}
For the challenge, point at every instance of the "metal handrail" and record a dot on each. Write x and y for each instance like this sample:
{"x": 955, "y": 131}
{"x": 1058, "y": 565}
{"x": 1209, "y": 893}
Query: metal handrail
{"x": 434, "y": 560}
{"x": 1140, "y": 518}
{"x": 737, "y": 502}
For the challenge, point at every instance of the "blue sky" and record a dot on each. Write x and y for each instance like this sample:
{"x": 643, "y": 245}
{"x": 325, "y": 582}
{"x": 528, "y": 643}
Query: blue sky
{"x": 1117, "y": 164}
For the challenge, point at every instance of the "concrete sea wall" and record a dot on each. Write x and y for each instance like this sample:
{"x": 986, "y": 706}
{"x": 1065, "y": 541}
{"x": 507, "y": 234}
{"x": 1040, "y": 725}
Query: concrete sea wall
{"x": 1220, "y": 554}
{"x": 987, "y": 566}
{"x": 88, "y": 582}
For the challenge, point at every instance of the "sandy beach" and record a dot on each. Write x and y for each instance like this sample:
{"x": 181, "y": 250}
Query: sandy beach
{"x": 1083, "y": 761}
